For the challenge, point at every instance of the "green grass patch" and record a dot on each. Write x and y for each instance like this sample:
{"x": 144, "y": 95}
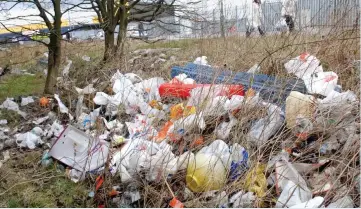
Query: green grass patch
{"x": 25, "y": 183}
{"x": 21, "y": 85}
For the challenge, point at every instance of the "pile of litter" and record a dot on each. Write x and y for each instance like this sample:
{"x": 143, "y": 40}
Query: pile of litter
{"x": 222, "y": 138}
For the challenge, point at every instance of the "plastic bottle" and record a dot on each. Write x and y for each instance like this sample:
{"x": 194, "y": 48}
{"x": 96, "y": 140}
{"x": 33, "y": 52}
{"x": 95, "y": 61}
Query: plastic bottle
{"x": 207, "y": 172}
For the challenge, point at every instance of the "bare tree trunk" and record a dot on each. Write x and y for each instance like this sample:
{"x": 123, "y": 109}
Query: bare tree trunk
{"x": 109, "y": 45}
{"x": 123, "y": 24}
{"x": 222, "y": 19}
{"x": 54, "y": 47}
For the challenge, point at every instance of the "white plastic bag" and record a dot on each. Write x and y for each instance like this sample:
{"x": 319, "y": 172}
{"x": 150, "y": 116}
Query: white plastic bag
{"x": 201, "y": 61}
{"x": 303, "y": 66}
{"x": 62, "y": 107}
{"x": 294, "y": 187}
{"x": 219, "y": 149}
{"x": 150, "y": 88}
{"x": 29, "y": 140}
{"x": 183, "y": 79}
{"x": 345, "y": 202}
{"x": 335, "y": 98}
{"x": 11, "y": 105}
{"x": 189, "y": 122}
{"x": 234, "y": 103}
{"x": 264, "y": 128}
{"x": 223, "y": 129}
{"x": 322, "y": 83}
{"x": 26, "y": 100}
{"x": 313, "y": 203}
{"x": 76, "y": 175}
{"x": 134, "y": 78}
{"x": 243, "y": 200}
{"x": 101, "y": 98}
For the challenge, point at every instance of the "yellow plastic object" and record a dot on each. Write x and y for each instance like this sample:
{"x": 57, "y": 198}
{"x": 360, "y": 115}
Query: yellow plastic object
{"x": 189, "y": 110}
{"x": 256, "y": 180}
{"x": 155, "y": 104}
{"x": 250, "y": 93}
{"x": 205, "y": 173}
{"x": 178, "y": 111}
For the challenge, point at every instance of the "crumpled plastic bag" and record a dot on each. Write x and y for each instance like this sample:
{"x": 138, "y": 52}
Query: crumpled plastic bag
{"x": 188, "y": 122}
{"x": 11, "y": 105}
{"x": 234, "y": 103}
{"x": 29, "y": 139}
{"x": 134, "y": 78}
{"x": 334, "y": 99}
{"x": 265, "y": 127}
{"x": 201, "y": 61}
{"x": 26, "y": 100}
{"x": 159, "y": 163}
{"x": 136, "y": 156}
{"x": 344, "y": 202}
{"x": 76, "y": 175}
{"x": 256, "y": 180}
{"x": 182, "y": 78}
{"x": 62, "y": 107}
{"x": 150, "y": 88}
{"x": 243, "y": 200}
{"x": 303, "y": 66}
{"x": 210, "y": 99}
{"x": 292, "y": 184}
{"x": 219, "y": 149}
{"x": 55, "y": 130}
{"x": 322, "y": 83}
{"x": 239, "y": 161}
{"x": 313, "y": 203}
{"x": 223, "y": 130}
{"x": 101, "y": 98}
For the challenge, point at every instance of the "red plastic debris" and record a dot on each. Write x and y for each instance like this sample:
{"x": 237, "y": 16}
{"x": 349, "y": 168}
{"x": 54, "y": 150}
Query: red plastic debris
{"x": 183, "y": 90}
{"x": 175, "y": 203}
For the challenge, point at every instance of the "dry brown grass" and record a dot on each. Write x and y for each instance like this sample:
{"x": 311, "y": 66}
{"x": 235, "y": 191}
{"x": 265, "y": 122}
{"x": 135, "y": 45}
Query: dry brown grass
{"x": 337, "y": 52}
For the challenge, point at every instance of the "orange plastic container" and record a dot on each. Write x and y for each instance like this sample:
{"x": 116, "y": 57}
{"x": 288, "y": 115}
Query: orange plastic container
{"x": 183, "y": 90}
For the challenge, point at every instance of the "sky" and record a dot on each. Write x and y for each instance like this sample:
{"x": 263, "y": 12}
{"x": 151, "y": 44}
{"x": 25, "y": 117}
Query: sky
{"x": 18, "y": 13}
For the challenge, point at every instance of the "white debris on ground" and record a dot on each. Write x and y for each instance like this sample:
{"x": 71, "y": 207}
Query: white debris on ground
{"x": 146, "y": 140}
